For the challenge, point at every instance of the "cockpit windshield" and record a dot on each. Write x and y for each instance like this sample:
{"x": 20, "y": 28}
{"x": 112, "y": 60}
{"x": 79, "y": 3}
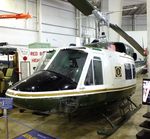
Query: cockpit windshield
{"x": 69, "y": 63}
{"x": 44, "y": 60}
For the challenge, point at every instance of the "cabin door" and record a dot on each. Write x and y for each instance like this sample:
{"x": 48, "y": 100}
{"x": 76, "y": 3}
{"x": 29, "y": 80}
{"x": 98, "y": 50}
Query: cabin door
{"x": 94, "y": 74}
{"x": 93, "y": 82}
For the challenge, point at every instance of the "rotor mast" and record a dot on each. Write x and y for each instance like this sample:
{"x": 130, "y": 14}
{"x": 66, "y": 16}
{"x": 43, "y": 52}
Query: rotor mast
{"x": 87, "y": 9}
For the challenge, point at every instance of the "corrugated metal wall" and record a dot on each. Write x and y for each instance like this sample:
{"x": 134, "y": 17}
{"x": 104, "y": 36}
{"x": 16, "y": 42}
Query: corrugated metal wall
{"x": 132, "y": 23}
{"x": 58, "y": 22}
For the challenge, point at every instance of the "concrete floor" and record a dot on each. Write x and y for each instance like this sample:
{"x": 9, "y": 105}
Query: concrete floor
{"x": 60, "y": 127}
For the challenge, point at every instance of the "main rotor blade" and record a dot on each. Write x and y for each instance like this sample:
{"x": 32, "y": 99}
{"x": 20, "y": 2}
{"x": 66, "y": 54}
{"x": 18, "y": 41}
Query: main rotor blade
{"x": 86, "y": 8}
{"x": 127, "y": 38}
{"x": 83, "y": 5}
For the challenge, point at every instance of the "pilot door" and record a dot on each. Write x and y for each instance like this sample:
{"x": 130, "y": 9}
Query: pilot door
{"x": 94, "y": 74}
{"x": 93, "y": 83}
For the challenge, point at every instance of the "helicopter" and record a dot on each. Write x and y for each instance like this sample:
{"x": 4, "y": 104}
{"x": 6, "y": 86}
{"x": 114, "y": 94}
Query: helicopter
{"x": 76, "y": 77}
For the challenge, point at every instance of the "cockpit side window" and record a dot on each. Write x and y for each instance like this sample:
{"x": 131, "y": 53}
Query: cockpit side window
{"x": 44, "y": 60}
{"x": 94, "y": 75}
{"x": 89, "y": 77}
{"x": 98, "y": 76}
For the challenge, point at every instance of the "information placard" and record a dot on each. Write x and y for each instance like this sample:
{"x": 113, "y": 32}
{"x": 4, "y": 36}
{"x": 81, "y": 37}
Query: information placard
{"x": 6, "y": 103}
{"x": 34, "y": 134}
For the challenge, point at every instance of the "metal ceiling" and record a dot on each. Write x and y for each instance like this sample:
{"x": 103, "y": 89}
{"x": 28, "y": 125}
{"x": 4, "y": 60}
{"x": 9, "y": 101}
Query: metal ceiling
{"x": 130, "y": 7}
{"x": 136, "y": 9}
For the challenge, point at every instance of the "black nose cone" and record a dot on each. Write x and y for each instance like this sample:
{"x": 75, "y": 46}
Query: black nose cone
{"x": 45, "y": 81}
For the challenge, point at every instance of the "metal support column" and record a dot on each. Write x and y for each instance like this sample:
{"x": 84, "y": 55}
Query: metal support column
{"x": 39, "y": 19}
{"x": 109, "y": 7}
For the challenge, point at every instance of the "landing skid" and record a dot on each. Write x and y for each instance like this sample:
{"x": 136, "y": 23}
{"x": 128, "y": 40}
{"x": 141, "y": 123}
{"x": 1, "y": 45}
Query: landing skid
{"x": 126, "y": 109}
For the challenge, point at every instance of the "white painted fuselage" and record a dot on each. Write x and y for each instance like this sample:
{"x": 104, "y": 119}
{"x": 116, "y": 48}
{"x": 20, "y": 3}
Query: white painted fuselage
{"x": 99, "y": 76}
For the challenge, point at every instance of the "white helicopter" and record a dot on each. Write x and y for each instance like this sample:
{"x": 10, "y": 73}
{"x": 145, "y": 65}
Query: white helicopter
{"x": 77, "y": 77}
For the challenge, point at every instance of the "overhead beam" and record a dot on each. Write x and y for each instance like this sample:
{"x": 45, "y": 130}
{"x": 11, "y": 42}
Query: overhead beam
{"x": 141, "y": 9}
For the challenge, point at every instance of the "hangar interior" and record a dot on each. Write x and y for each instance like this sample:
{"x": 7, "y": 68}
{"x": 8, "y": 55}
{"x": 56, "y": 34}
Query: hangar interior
{"x": 67, "y": 23}
{"x": 58, "y": 23}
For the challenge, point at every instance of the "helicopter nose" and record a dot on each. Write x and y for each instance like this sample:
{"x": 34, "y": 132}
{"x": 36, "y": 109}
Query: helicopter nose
{"x": 44, "y": 81}
{"x": 38, "y": 104}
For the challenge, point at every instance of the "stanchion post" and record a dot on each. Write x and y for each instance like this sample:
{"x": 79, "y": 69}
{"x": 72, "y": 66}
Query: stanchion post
{"x": 6, "y": 123}
{"x": 5, "y": 104}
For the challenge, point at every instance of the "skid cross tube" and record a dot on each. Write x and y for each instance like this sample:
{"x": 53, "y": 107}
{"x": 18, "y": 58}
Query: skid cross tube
{"x": 122, "y": 118}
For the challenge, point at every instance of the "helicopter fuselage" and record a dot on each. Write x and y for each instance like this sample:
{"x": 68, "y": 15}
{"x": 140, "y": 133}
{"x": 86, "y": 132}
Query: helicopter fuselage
{"x": 77, "y": 77}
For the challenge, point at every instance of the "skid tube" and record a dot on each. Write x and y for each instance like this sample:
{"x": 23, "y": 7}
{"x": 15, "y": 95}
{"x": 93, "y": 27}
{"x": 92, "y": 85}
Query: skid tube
{"x": 126, "y": 109}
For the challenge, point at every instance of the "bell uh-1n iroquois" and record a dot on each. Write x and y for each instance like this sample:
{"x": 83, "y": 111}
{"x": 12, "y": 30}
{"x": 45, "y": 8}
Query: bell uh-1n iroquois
{"x": 79, "y": 77}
